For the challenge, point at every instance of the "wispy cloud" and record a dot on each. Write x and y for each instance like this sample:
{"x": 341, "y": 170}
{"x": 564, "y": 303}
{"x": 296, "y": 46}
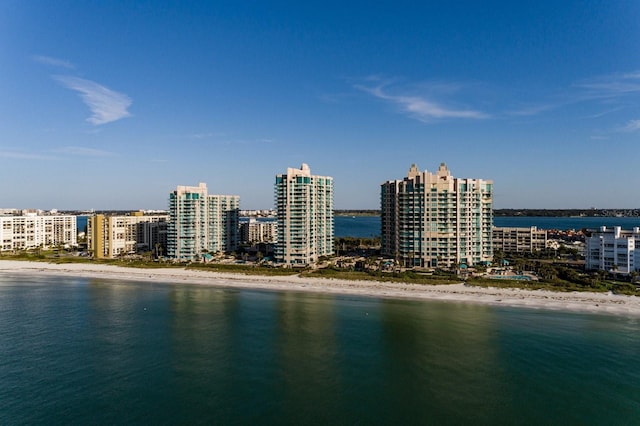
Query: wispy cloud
{"x": 613, "y": 92}
{"x": 16, "y": 155}
{"x": 201, "y": 135}
{"x": 610, "y": 86}
{"x": 55, "y": 62}
{"x": 105, "y": 104}
{"x": 84, "y": 152}
{"x": 421, "y": 107}
{"x": 632, "y": 126}
{"x": 535, "y": 109}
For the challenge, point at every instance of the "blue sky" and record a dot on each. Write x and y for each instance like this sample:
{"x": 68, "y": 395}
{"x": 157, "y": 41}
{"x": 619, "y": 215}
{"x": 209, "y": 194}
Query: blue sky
{"x": 113, "y": 104}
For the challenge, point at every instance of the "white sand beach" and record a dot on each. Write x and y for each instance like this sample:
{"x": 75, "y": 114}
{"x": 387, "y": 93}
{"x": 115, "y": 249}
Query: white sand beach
{"x": 536, "y": 299}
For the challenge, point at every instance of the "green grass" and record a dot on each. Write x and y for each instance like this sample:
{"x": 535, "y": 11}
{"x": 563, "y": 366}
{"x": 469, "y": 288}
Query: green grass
{"x": 243, "y": 268}
{"x": 403, "y": 277}
{"x": 558, "y": 285}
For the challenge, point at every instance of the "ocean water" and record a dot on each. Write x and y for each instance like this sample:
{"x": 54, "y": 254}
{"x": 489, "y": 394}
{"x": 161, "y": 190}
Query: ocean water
{"x": 91, "y": 351}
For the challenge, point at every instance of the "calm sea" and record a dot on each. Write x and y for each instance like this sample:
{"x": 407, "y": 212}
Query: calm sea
{"x": 88, "y": 351}
{"x": 369, "y": 226}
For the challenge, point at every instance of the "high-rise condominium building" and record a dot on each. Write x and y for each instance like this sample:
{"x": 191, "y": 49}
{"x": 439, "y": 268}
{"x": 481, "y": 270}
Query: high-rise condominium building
{"x": 304, "y": 205}
{"x": 200, "y": 223}
{"x": 117, "y": 235}
{"x": 433, "y": 219}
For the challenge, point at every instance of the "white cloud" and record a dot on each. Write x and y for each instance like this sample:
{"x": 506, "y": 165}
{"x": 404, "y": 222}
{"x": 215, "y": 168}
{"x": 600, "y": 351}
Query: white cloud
{"x": 105, "y": 104}
{"x": 420, "y": 107}
{"x": 48, "y": 60}
{"x": 24, "y": 156}
{"x": 611, "y": 86}
{"x": 85, "y": 152}
{"x": 632, "y": 126}
{"x": 201, "y": 135}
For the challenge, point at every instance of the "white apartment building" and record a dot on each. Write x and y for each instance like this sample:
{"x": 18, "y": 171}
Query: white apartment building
{"x": 304, "y": 206}
{"x": 519, "y": 240}
{"x": 201, "y": 223}
{"x": 613, "y": 249}
{"x": 433, "y": 219}
{"x": 113, "y": 236}
{"x": 254, "y": 231}
{"x": 33, "y": 230}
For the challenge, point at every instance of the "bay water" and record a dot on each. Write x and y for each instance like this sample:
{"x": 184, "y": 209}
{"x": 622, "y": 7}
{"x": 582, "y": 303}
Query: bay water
{"x": 93, "y": 351}
{"x": 369, "y": 226}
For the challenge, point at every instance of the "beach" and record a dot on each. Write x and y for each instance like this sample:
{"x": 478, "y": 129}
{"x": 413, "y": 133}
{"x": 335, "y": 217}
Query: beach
{"x": 534, "y": 299}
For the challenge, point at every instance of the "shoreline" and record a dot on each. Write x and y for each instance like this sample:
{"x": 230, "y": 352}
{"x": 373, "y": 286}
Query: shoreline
{"x": 599, "y": 303}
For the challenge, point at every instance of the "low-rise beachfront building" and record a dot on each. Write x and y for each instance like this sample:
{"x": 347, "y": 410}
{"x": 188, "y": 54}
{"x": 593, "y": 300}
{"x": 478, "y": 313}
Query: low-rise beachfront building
{"x": 304, "y": 206}
{"x": 519, "y": 240}
{"x": 201, "y": 223}
{"x": 254, "y": 231}
{"x": 435, "y": 220}
{"x": 37, "y": 230}
{"x": 117, "y": 235}
{"x": 613, "y": 249}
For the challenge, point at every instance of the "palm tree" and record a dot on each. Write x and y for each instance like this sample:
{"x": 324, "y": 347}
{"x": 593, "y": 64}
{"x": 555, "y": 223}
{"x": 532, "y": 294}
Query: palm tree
{"x": 614, "y": 269}
{"x": 411, "y": 254}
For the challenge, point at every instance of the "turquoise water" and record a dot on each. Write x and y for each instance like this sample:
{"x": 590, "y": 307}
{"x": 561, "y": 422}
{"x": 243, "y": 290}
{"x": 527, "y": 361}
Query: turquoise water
{"x": 87, "y": 351}
{"x": 510, "y": 277}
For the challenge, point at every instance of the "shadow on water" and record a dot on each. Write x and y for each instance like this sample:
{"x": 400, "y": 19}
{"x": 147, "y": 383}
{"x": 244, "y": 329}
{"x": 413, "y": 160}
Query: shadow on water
{"x": 104, "y": 352}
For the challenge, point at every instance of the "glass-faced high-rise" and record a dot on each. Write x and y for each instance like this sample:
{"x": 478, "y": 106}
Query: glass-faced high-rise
{"x": 200, "y": 223}
{"x": 433, "y": 219}
{"x": 304, "y": 205}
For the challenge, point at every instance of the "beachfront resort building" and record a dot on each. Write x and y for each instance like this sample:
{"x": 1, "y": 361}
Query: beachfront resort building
{"x": 437, "y": 220}
{"x": 110, "y": 236}
{"x": 304, "y": 206}
{"x": 201, "y": 224}
{"x": 613, "y": 249}
{"x": 32, "y": 229}
{"x": 519, "y": 240}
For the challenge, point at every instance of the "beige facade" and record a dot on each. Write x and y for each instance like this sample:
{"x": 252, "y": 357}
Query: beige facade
{"x": 259, "y": 231}
{"x": 519, "y": 240}
{"x": 117, "y": 235}
{"x": 434, "y": 219}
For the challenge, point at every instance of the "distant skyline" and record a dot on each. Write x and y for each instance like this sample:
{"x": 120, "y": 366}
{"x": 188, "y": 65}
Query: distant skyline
{"x": 111, "y": 105}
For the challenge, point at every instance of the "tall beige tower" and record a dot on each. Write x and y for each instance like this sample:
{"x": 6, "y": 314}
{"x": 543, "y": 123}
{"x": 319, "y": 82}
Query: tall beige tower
{"x": 433, "y": 219}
